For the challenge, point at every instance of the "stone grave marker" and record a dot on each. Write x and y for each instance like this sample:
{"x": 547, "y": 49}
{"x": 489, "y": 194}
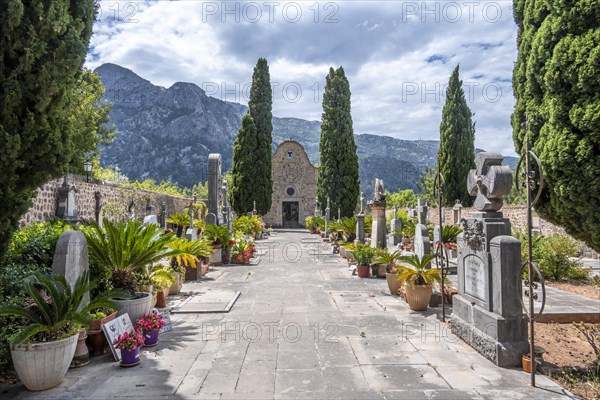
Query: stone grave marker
{"x": 487, "y": 311}
{"x": 379, "y": 225}
{"x": 437, "y": 234}
{"x": 214, "y": 185}
{"x": 395, "y": 225}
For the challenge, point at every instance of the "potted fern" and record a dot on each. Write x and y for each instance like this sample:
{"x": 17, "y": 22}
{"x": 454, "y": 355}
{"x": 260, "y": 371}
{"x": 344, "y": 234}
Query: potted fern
{"x": 42, "y": 350}
{"x": 417, "y": 280}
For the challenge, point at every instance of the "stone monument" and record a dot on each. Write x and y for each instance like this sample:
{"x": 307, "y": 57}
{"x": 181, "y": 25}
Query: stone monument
{"x": 72, "y": 261}
{"x": 422, "y": 241}
{"x": 66, "y": 208}
{"x": 395, "y": 225}
{"x": 377, "y": 206}
{"x": 360, "y": 222}
{"x": 487, "y": 312}
{"x": 214, "y": 186}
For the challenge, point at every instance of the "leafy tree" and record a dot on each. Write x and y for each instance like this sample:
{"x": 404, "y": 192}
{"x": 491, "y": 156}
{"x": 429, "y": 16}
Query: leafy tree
{"x": 259, "y": 107}
{"x": 43, "y": 48}
{"x": 338, "y": 171}
{"x": 403, "y": 198}
{"x": 556, "y": 82}
{"x": 457, "y": 143}
{"x": 244, "y": 171}
{"x": 426, "y": 185}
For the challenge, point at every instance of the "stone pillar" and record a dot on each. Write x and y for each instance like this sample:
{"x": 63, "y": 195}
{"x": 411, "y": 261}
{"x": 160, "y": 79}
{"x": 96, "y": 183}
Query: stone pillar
{"x": 360, "y": 228}
{"x": 378, "y": 227}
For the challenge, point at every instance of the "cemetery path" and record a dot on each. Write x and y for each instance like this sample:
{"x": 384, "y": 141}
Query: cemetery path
{"x": 305, "y": 328}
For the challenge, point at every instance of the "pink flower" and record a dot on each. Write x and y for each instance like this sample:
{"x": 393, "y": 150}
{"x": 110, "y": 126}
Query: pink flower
{"x": 129, "y": 340}
{"x": 150, "y": 322}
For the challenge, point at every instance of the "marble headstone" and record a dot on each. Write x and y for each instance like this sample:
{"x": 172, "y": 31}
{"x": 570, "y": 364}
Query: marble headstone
{"x": 71, "y": 258}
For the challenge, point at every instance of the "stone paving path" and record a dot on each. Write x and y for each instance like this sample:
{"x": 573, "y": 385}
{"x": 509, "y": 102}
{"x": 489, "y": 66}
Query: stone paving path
{"x": 303, "y": 328}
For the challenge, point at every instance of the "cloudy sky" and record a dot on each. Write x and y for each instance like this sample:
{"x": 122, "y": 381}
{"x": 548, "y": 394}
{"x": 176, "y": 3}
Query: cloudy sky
{"x": 398, "y": 56}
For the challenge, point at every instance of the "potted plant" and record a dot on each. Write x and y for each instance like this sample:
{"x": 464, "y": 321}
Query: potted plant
{"x": 129, "y": 344}
{"x": 181, "y": 220}
{"x": 124, "y": 249}
{"x": 242, "y": 252}
{"x": 150, "y": 325}
{"x": 163, "y": 280}
{"x": 417, "y": 280}
{"x": 56, "y": 315}
{"x": 95, "y": 336}
{"x": 363, "y": 254}
{"x": 216, "y": 235}
{"x": 388, "y": 260}
{"x": 185, "y": 262}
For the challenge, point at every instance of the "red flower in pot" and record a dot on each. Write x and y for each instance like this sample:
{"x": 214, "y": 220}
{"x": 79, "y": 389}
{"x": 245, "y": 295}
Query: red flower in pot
{"x": 150, "y": 325}
{"x": 129, "y": 343}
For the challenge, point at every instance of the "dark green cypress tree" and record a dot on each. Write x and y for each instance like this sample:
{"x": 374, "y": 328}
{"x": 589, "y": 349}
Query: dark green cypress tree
{"x": 43, "y": 46}
{"x": 556, "y": 82}
{"x": 456, "y": 155}
{"x": 338, "y": 170}
{"x": 260, "y": 105}
{"x": 244, "y": 169}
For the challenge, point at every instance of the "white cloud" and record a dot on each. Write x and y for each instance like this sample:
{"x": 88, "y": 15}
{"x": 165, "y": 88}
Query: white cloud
{"x": 397, "y": 56}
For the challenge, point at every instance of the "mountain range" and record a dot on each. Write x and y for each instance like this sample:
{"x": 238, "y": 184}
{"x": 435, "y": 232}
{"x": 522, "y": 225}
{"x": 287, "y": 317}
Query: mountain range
{"x": 168, "y": 133}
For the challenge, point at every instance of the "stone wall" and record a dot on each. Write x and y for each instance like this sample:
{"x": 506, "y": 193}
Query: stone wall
{"x": 114, "y": 198}
{"x": 294, "y": 180}
{"x": 518, "y": 220}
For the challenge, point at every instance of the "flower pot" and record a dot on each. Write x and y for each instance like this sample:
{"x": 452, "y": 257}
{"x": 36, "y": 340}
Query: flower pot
{"x": 216, "y": 257}
{"x": 381, "y": 270}
{"x": 135, "y": 307}
{"x": 176, "y": 287}
{"x": 96, "y": 324}
{"x": 363, "y": 271}
{"x": 96, "y": 341}
{"x": 41, "y": 366}
{"x": 526, "y": 361}
{"x": 161, "y": 298}
{"x": 81, "y": 357}
{"x": 192, "y": 273}
{"x": 204, "y": 269}
{"x": 418, "y": 296}
{"x": 393, "y": 283}
{"x": 129, "y": 358}
{"x": 150, "y": 338}
{"x": 343, "y": 252}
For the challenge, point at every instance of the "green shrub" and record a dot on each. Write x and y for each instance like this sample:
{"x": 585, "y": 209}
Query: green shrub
{"x": 363, "y": 254}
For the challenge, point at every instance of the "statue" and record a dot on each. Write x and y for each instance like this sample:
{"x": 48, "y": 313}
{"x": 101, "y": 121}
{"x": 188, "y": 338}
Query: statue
{"x": 379, "y": 193}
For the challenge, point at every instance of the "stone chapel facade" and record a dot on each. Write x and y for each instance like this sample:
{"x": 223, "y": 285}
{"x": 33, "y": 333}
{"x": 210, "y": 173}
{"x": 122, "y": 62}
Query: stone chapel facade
{"x": 294, "y": 187}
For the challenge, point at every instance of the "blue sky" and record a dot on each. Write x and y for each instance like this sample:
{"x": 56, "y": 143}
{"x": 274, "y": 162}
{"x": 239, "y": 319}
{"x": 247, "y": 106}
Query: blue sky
{"x": 398, "y": 56}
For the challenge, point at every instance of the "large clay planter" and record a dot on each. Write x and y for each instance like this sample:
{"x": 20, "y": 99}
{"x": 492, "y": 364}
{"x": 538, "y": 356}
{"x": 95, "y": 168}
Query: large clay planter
{"x": 381, "y": 270}
{"x": 41, "y": 366}
{"x": 363, "y": 271}
{"x": 161, "y": 298}
{"x": 393, "y": 283}
{"x": 418, "y": 296}
{"x": 192, "y": 273}
{"x": 136, "y": 308}
{"x": 176, "y": 287}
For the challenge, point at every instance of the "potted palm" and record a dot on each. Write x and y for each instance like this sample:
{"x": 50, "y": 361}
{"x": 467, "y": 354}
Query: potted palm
{"x": 363, "y": 254}
{"x": 190, "y": 253}
{"x": 124, "y": 249}
{"x": 42, "y": 350}
{"x": 181, "y": 220}
{"x": 417, "y": 280}
{"x": 217, "y": 236}
{"x": 388, "y": 260}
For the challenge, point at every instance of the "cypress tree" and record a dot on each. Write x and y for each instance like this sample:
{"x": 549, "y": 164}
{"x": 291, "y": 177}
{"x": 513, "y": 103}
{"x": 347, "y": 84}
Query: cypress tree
{"x": 338, "y": 171}
{"x": 260, "y": 105}
{"x": 244, "y": 177}
{"x": 456, "y": 155}
{"x": 556, "y": 82}
{"x": 43, "y": 46}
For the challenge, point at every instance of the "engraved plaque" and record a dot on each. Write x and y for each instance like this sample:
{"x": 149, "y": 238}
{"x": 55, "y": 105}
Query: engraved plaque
{"x": 475, "y": 277}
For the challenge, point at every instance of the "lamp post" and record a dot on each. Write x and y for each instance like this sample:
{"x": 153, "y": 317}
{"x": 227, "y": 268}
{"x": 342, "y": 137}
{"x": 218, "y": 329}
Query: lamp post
{"x": 87, "y": 167}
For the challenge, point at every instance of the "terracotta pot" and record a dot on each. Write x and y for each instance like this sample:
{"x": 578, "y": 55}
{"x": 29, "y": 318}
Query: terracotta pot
{"x": 418, "y": 296}
{"x": 161, "y": 298}
{"x": 393, "y": 283}
{"x": 96, "y": 324}
{"x": 363, "y": 271}
{"x": 526, "y": 361}
{"x": 96, "y": 341}
{"x": 81, "y": 357}
{"x": 192, "y": 273}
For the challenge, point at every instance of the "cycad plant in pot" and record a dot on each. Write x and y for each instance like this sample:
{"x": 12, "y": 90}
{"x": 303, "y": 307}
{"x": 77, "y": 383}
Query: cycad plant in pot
{"x": 43, "y": 349}
{"x": 363, "y": 254}
{"x": 185, "y": 262}
{"x": 388, "y": 260}
{"x": 417, "y": 279}
{"x": 161, "y": 278}
{"x": 181, "y": 221}
{"x": 218, "y": 236}
{"x": 124, "y": 248}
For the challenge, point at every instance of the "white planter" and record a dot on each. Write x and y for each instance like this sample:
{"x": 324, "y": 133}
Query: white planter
{"x": 42, "y": 366}
{"x": 136, "y": 308}
{"x": 216, "y": 257}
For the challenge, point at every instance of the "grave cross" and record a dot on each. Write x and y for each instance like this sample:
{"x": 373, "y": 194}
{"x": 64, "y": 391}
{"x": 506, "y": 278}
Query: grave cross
{"x": 422, "y": 209}
{"x": 489, "y": 181}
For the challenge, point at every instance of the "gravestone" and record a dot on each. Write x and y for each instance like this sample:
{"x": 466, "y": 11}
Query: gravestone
{"x": 457, "y": 212}
{"x": 71, "y": 260}
{"x": 225, "y": 209}
{"x": 395, "y": 225}
{"x": 210, "y": 219}
{"x": 422, "y": 242}
{"x": 377, "y": 206}
{"x": 214, "y": 186}
{"x": 66, "y": 208}
{"x": 487, "y": 311}
{"x": 162, "y": 217}
{"x": 150, "y": 219}
{"x": 421, "y": 212}
{"x": 437, "y": 234}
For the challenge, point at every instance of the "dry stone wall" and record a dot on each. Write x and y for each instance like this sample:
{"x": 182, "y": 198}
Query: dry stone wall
{"x": 112, "y": 196}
